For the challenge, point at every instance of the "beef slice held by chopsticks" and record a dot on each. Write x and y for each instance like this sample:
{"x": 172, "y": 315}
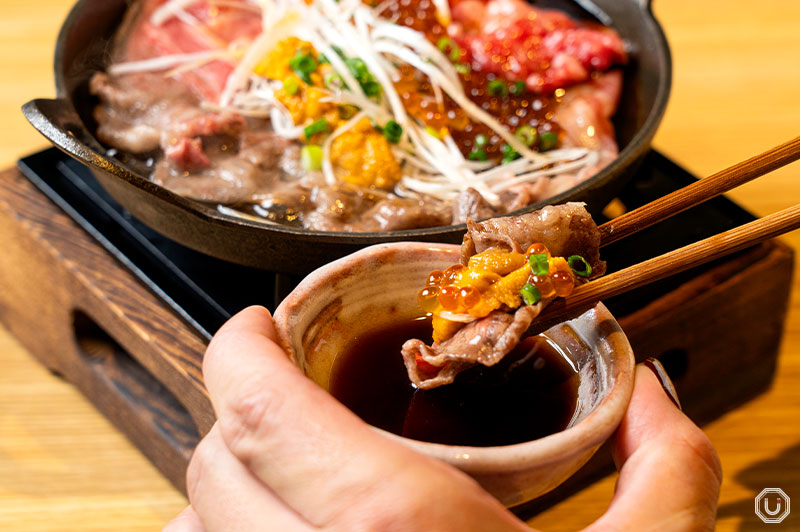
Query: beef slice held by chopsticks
{"x": 566, "y": 230}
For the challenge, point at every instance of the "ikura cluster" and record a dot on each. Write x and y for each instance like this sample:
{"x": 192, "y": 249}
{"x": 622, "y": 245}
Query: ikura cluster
{"x": 497, "y": 279}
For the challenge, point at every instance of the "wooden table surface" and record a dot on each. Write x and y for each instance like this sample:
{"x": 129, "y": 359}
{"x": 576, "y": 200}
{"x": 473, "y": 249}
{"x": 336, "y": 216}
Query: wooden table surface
{"x": 735, "y": 94}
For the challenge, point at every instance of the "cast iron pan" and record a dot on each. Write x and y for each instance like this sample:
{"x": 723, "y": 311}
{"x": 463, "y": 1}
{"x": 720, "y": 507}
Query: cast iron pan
{"x": 67, "y": 122}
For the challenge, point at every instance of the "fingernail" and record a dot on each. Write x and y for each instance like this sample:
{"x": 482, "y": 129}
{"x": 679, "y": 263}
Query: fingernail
{"x": 655, "y": 366}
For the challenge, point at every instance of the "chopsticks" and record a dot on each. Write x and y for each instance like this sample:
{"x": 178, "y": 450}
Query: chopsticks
{"x": 700, "y": 191}
{"x": 586, "y": 296}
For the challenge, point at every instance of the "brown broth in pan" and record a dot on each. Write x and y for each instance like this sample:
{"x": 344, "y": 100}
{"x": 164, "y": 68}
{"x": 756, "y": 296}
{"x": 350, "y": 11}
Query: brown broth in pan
{"x": 531, "y": 393}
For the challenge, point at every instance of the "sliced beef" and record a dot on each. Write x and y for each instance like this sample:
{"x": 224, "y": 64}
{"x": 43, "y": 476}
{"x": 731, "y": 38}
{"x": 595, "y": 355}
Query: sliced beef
{"x": 222, "y": 25}
{"x": 237, "y": 173}
{"x": 470, "y": 205}
{"x": 566, "y": 229}
{"x": 395, "y": 214}
{"x": 543, "y": 47}
{"x": 485, "y": 341}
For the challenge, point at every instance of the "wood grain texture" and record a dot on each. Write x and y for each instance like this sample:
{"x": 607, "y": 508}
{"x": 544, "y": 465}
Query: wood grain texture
{"x": 678, "y": 260}
{"x": 699, "y": 192}
{"x": 64, "y": 467}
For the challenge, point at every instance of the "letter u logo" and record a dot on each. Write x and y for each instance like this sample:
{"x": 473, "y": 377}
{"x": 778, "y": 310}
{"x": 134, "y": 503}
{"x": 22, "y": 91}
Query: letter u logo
{"x": 771, "y": 512}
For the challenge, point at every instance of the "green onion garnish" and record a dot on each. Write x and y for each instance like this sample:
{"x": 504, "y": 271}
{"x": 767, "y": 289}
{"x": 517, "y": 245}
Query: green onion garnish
{"x": 478, "y": 155}
{"x": 311, "y": 157}
{"x": 303, "y": 64}
{"x": 320, "y": 126}
{"x": 497, "y": 87}
{"x": 358, "y": 68}
{"x": 518, "y": 89}
{"x": 448, "y": 46}
{"x": 481, "y": 140}
{"x": 372, "y": 89}
{"x": 579, "y": 266}
{"x": 526, "y": 135}
{"x": 432, "y": 132}
{"x": 346, "y": 111}
{"x": 291, "y": 86}
{"x": 461, "y": 68}
{"x": 530, "y": 294}
{"x": 509, "y": 153}
{"x": 548, "y": 141}
{"x": 333, "y": 79}
{"x": 393, "y": 131}
{"x": 540, "y": 266}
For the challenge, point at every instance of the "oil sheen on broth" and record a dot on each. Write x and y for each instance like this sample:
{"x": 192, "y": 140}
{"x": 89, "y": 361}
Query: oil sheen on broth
{"x": 531, "y": 393}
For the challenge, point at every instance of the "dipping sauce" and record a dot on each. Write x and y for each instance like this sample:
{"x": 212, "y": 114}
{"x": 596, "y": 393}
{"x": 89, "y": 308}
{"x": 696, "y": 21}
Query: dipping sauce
{"x": 531, "y": 393}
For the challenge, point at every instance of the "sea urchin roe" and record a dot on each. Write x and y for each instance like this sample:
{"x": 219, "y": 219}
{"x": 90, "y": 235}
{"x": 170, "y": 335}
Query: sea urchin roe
{"x": 494, "y": 279}
{"x": 364, "y": 157}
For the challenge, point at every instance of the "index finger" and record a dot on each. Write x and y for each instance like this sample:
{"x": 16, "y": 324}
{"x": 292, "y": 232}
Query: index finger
{"x": 294, "y": 436}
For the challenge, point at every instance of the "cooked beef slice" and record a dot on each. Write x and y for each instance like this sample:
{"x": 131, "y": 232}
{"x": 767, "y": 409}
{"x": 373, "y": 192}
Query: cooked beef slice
{"x": 485, "y": 341}
{"x": 566, "y": 229}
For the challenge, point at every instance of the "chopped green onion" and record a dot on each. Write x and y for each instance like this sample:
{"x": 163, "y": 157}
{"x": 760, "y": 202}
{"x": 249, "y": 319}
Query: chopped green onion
{"x": 372, "y": 89}
{"x": 291, "y": 86}
{"x": 320, "y": 126}
{"x": 448, "y": 46}
{"x": 481, "y": 140}
{"x": 358, "y": 68}
{"x": 432, "y": 132}
{"x": 332, "y": 79}
{"x": 393, "y": 131}
{"x": 461, "y": 68}
{"x": 497, "y": 87}
{"x": 526, "y": 135}
{"x": 478, "y": 155}
{"x": 548, "y": 141}
{"x": 518, "y": 89}
{"x": 338, "y": 51}
{"x": 346, "y": 112}
{"x": 579, "y": 266}
{"x": 509, "y": 153}
{"x": 530, "y": 294}
{"x": 540, "y": 266}
{"x": 303, "y": 64}
{"x": 311, "y": 157}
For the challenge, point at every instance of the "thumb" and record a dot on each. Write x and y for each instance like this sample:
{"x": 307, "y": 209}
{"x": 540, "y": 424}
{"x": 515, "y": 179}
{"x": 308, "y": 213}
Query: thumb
{"x": 669, "y": 473}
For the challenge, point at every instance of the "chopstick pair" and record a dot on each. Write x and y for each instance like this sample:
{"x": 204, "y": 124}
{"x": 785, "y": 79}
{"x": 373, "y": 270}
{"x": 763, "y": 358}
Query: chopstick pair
{"x": 586, "y": 296}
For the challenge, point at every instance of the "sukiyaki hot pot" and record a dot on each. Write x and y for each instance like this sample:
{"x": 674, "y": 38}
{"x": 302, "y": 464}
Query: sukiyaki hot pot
{"x": 519, "y": 428}
{"x": 284, "y": 149}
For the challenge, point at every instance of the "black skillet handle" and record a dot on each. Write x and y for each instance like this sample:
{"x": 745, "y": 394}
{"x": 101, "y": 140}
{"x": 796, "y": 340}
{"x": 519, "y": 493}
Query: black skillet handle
{"x": 56, "y": 119}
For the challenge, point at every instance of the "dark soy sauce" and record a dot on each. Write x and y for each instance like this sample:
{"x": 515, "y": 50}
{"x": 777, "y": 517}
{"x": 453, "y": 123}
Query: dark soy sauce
{"x": 531, "y": 393}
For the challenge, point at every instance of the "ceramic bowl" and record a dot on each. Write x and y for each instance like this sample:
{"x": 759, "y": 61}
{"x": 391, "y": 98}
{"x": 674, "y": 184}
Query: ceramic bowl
{"x": 377, "y": 286}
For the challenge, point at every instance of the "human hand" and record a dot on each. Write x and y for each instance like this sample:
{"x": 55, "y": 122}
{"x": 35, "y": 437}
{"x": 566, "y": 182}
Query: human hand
{"x": 285, "y": 456}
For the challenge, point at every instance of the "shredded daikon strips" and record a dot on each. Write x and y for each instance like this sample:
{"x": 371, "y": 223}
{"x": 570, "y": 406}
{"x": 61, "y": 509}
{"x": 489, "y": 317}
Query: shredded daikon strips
{"x": 432, "y": 166}
{"x": 166, "y": 62}
{"x": 168, "y": 10}
{"x": 236, "y": 4}
{"x": 269, "y": 37}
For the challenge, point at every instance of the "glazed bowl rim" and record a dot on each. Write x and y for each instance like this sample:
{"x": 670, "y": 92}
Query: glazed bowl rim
{"x": 591, "y": 431}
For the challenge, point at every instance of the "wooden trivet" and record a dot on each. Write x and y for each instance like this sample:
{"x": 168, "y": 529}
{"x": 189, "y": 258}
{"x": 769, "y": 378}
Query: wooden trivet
{"x": 88, "y": 319}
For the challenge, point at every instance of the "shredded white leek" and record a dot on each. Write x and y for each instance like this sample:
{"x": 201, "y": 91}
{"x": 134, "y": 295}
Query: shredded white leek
{"x": 431, "y": 166}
